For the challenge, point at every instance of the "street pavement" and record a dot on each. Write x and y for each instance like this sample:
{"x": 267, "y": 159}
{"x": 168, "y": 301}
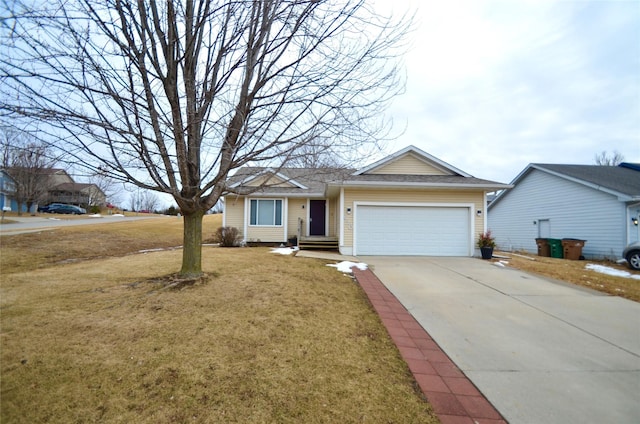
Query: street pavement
{"x": 30, "y": 224}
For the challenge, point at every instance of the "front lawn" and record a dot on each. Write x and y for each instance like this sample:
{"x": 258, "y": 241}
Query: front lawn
{"x": 90, "y": 337}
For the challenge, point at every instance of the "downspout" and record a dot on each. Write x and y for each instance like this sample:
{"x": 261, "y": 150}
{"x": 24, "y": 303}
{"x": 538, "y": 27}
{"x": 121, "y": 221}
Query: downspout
{"x": 341, "y": 221}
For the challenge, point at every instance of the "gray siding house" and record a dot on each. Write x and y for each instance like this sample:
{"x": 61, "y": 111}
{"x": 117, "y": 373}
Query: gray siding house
{"x": 599, "y": 204}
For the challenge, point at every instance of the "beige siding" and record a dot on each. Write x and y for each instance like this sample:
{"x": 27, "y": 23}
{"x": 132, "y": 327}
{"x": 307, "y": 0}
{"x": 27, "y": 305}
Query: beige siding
{"x": 334, "y": 216}
{"x": 296, "y": 211}
{"x": 234, "y": 212}
{"x": 270, "y": 180}
{"x": 409, "y": 165}
{"x": 351, "y": 196}
{"x": 234, "y": 217}
{"x": 266, "y": 234}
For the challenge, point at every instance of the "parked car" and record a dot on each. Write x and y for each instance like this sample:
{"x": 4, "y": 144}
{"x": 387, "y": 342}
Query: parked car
{"x": 46, "y": 208}
{"x": 70, "y": 209}
{"x": 632, "y": 254}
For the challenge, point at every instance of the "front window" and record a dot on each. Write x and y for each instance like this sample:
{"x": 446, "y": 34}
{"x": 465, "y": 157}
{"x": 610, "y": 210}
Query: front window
{"x": 266, "y": 212}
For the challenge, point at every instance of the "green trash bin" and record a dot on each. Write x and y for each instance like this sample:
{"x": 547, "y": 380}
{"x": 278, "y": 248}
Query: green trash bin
{"x": 555, "y": 248}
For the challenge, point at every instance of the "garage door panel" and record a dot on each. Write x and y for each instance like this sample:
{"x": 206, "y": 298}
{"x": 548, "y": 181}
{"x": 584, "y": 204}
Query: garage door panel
{"x": 408, "y": 230}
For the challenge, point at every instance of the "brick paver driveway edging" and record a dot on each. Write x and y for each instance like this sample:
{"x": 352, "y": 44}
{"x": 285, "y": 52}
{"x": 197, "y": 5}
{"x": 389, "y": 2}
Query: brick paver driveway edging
{"x": 452, "y": 395}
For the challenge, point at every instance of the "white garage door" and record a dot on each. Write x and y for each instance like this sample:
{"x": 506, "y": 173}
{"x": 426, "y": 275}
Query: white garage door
{"x": 412, "y": 230}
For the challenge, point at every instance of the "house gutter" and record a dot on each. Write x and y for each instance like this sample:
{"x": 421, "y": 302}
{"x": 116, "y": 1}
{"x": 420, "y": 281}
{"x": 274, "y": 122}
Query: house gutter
{"x": 368, "y": 184}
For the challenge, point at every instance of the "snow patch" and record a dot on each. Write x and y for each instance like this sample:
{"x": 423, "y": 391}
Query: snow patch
{"x": 284, "y": 250}
{"x": 117, "y": 215}
{"x": 95, "y": 215}
{"x": 345, "y": 266}
{"x": 611, "y": 271}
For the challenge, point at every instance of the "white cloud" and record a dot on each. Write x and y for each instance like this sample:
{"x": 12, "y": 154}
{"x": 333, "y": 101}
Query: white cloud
{"x": 495, "y": 85}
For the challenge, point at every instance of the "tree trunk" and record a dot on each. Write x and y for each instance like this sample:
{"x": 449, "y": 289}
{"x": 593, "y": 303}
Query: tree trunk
{"x": 192, "y": 245}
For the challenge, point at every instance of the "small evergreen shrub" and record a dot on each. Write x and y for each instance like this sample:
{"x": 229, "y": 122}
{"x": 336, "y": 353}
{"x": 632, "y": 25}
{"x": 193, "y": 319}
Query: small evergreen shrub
{"x": 227, "y": 236}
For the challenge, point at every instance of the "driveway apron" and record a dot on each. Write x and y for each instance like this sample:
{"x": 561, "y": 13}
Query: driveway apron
{"x": 541, "y": 351}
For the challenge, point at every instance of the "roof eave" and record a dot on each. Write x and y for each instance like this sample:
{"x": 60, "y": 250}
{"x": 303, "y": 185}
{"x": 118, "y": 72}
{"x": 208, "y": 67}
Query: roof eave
{"x": 390, "y": 184}
{"x": 277, "y": 194}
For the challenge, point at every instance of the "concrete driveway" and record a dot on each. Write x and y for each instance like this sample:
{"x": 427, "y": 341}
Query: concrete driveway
{"x": 541, "y": 351}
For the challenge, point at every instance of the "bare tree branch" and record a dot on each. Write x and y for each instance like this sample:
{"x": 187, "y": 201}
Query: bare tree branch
{"x": 605, "y": 159}
{"x": 172, "y": 96}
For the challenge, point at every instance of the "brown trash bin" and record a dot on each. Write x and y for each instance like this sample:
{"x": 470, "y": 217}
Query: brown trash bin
{"x": 573, "y": 248}
{"x": 543, "y": 247}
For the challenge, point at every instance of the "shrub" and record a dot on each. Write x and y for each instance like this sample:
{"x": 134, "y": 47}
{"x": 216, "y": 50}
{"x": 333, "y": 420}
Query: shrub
{"x": 486, "y": 240}
{"x": 172, "y": 210}
{"x": 227, "y": 236}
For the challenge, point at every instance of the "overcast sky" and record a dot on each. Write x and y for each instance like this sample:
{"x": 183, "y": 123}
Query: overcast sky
{"x": 495, "y": 85}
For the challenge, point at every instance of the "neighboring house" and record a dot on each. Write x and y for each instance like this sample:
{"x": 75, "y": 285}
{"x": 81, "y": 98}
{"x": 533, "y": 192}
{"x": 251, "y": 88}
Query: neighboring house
{"x": 77, "y": 194}
{"x": 56, "y": 176}
{"x": 57, "y": 186}
{"x": 7, "y": 191}
{"x": 63, "y": 189}
{"x": 409, "y": 203}
{"x": 599, "y": 204}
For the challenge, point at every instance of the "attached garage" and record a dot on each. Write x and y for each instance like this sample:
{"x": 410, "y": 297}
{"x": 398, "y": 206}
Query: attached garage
{"x": 412, "y": 230}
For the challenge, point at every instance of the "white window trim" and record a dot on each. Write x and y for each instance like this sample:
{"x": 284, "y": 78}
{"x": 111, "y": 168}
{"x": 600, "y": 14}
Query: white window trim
{"x": 282, "y": 213}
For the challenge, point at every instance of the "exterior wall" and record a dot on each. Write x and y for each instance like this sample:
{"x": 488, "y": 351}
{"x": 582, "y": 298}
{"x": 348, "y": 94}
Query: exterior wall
{"x": 59, "y": 177}
{"x": 266, "y": 234}
{"x": 296, "y": 211}
{"x": 7, "y": 190}
{"x": 633, "y": 232}
{"x": 408, "y": 196}
{"x": 270, "y": 180}
{"x": 334, "y": 216}
{"x": 572, "y": 210}
{"x": 234, "y": 213}
{"x": 408, "y": 165}
{"x": 234, "y": 216}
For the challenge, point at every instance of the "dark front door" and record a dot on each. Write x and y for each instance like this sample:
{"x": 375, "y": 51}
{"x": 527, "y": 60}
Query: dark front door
{"x": 317, "y": 217}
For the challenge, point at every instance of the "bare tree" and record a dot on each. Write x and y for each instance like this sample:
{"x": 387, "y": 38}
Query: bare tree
{"x": 27, "y": 161}
{"x": 143, "y": 200}
{"x": 606, "y": 159}
{"x": 135, "y": 201}
{"x": 150, "y": 201}
{"x": 107, "y": 185}
{"x": 171, "y": 96}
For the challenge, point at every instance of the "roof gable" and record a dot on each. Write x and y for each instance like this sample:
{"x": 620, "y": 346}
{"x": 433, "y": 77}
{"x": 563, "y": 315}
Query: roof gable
{"x": 411, "y": 161}
{"x": 620, "y": 181}
{"x": 269, "y": 177}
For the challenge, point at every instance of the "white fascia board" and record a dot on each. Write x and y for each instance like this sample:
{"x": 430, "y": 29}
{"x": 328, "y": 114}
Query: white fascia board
{"x": 388, "y": 184}
{"x": 290, "y": 195}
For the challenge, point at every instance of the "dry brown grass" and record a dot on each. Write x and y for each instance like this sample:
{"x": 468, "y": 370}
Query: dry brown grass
{"x": 575, "y": 272}
{"x": 35, "y": 250}
{"x": 268, "y": 339}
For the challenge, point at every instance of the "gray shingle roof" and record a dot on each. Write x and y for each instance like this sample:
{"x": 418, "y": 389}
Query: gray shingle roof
{"x": 316, "y": 180}
{"x": 420, "y": 179}
{"x": 621, "y": 179}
